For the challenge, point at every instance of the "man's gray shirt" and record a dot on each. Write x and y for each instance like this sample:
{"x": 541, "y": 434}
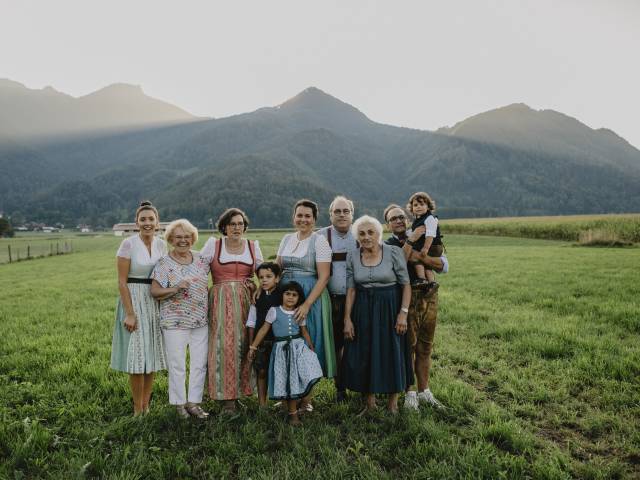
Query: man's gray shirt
{"x": 340, "y": 243}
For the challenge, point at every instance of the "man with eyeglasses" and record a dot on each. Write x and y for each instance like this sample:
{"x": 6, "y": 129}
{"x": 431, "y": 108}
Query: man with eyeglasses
{"x": 339, "y": 236}
{"x": 423, "y": 310}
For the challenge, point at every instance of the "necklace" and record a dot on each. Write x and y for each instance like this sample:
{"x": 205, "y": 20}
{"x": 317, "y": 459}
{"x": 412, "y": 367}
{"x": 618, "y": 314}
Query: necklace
{"x": 181, "y": 260}
{"x": 234, "y": 249}
{"x": 370, "y": 256}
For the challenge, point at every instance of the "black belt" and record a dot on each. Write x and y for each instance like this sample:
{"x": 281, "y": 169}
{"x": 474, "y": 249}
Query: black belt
{"x": 338, "y": 295}
{"x": 339, "y": 257}
{"x": 288, "y": 338}
{"x": 139, "y": 280}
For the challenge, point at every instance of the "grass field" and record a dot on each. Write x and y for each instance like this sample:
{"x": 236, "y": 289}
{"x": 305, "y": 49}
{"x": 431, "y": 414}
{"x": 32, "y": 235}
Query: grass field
{"x": 46, "y": 244}
{"x": 625, "y": 227}
{"x": 537, "y": 358}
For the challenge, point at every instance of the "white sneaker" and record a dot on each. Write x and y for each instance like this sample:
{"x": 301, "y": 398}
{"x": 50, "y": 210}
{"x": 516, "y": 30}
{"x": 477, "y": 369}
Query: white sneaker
{"x": 427, "y": 397}
{"x": 411, "y": 401}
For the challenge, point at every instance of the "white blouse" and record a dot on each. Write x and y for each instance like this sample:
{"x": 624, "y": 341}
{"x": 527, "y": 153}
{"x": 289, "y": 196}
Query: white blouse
{"x": 290, "y": 246}
{"x": 209, "y": 250}
{"x": 135, "y": 250}
{"x": 253, "y": 316}
{"x": 431, "y": 225}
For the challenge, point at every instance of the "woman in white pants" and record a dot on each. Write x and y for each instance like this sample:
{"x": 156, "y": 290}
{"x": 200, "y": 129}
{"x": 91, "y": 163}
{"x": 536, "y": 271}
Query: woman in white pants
{"x": 180, "y": 283}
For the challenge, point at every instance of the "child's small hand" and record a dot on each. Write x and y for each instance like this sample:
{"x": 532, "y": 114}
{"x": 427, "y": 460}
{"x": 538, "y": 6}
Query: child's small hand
{"x": 417, "y": 233}
{"x": 252, "y": 354}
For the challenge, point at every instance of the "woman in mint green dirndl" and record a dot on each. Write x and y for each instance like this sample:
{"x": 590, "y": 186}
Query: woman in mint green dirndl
{"x": 305, "y": 257}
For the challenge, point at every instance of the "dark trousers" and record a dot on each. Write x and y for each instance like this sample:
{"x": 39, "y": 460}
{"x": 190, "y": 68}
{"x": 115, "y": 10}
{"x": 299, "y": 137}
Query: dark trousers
{"x": 337, "y": 317}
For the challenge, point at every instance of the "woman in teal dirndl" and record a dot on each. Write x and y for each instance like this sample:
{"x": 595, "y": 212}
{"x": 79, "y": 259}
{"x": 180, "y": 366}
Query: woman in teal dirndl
{"x": 305, "y": 257}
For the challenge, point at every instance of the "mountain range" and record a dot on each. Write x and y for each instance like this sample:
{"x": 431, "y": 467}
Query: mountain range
{"x": 92, "y": 159}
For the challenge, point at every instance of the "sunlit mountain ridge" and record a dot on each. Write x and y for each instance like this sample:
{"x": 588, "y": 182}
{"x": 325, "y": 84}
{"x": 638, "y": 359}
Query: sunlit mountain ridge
{"x": 513, "y": 160}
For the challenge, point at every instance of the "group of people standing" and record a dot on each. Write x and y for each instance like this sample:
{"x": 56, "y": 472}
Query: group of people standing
{"x": 338, "y": 302}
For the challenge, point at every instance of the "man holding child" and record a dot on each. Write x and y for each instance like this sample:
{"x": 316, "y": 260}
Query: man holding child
{"x": 423, "y": 311}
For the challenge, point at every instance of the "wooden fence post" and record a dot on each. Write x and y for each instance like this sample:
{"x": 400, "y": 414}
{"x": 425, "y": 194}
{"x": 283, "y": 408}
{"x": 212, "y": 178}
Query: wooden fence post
{"x": 57, "y": 248}
{"x": 9, "y": 247}
{"x": 51, "y": 249}
{"x": 28, "y": 251}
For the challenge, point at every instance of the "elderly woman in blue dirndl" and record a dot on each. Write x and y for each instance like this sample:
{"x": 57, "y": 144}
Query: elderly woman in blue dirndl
{"x": 376, "y": 358}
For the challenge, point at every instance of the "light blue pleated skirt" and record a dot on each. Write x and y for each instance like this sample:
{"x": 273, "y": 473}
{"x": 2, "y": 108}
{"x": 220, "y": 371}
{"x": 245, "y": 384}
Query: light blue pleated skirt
{"x": 141, "y": 351}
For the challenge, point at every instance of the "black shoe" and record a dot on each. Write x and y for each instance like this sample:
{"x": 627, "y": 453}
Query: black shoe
{"x": 432, "y": 287}
{"x": 341, "y": 396}
{"x": 420, "y": 283}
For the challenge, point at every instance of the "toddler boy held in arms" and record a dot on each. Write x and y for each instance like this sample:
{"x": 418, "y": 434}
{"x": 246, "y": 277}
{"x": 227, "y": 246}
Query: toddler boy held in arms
{"x": 422, "y": 207}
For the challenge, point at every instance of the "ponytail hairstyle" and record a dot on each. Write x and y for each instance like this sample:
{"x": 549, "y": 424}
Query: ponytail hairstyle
{"x": 147, "y": 205}
{"x": 305, "y": 202}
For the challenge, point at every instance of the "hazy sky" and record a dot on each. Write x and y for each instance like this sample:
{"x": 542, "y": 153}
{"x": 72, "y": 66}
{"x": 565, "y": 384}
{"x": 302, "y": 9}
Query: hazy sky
{"x": 421, "y": 64}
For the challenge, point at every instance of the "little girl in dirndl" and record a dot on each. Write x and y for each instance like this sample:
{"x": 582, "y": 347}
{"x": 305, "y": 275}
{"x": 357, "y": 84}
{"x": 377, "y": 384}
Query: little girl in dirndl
{"x": 294, "y": 367}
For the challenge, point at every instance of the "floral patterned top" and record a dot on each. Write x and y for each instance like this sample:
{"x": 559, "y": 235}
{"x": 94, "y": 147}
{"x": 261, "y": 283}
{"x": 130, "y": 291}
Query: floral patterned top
{"x": 188, "y": 308}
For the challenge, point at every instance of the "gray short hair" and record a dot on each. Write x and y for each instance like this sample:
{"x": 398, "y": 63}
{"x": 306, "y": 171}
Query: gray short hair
{"x": 186, "y": 225}
{"x": 366, "y": 220}
{"x": 338, "y": 198}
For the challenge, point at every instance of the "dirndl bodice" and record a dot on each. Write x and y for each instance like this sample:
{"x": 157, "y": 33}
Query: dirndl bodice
{"x": 229, "y": 300}
{"x": 304, "y": 266}
{"x": 232, "y": 271}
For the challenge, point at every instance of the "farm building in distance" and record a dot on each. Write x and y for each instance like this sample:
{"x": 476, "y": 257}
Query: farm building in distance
{"x": 126, "y": 229}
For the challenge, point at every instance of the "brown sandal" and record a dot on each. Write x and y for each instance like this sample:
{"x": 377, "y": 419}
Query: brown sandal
{"x": 196, "y": 410}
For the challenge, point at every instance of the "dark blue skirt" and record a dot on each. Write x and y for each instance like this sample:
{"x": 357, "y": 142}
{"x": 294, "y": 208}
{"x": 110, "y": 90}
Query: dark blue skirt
{"x": 377, "y": 360}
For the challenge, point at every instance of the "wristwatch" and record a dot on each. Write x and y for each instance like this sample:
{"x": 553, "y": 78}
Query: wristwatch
{"x": 409, "y": 242}
{"x": 404, "y": 309}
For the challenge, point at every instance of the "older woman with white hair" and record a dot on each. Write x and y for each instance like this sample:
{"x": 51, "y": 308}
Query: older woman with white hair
{"x": 375, "y": 359}
{"x": 180, "y": 283}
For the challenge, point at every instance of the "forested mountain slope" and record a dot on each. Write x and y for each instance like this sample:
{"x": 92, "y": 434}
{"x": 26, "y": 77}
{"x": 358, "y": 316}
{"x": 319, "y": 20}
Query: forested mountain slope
{"x": 510, "y": 161}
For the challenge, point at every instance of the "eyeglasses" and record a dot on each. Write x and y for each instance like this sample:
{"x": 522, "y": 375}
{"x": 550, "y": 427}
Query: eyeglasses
{"x": 180, "y": 237}
{"x": 237, "y": 225}
{"x": 344, "y": 211}
{"x": 397, "y": 218}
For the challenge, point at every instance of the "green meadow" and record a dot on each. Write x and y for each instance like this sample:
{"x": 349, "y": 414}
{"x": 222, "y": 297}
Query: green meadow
{"x": 612, "y": 227}
{"x": 537, "y": 359}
